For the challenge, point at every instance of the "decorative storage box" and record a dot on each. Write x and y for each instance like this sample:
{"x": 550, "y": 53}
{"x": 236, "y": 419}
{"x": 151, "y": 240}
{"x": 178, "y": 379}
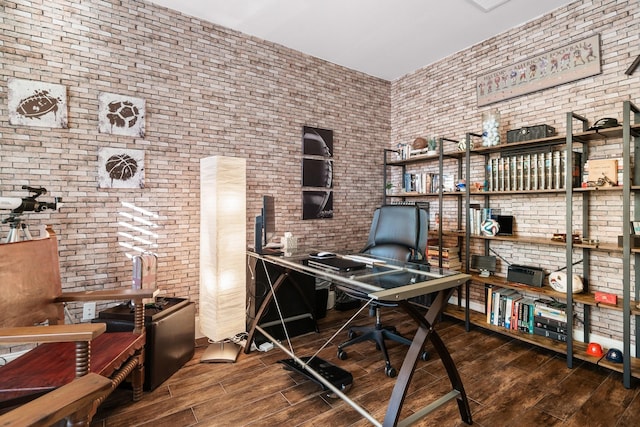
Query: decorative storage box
{"x": 530, "y": 132}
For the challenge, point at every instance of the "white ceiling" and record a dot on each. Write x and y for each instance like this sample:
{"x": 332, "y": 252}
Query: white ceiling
{"x": 382, "y": 38}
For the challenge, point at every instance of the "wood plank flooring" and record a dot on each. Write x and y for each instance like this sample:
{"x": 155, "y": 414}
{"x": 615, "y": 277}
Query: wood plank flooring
{"x": 508, "y": 383}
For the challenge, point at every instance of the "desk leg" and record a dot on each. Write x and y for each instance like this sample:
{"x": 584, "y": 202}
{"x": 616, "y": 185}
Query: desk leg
{"x": 265, "y": 303}
{"x": 267, "y": 300}
{"x": 426, "y": 331}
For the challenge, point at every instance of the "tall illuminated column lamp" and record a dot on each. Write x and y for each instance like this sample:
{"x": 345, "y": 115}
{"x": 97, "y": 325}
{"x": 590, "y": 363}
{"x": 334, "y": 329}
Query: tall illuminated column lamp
{"x": 222, "y": 255}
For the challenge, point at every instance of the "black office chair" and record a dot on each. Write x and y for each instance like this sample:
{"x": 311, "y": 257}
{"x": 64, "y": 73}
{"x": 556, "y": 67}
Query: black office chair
{"x": 399, "y": 233}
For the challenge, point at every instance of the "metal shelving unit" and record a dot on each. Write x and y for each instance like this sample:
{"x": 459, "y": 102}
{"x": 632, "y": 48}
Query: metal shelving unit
{"x": 629, "y": 132}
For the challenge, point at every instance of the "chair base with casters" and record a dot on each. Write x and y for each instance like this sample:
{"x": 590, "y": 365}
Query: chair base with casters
{"x": 378, "y": 333}
{"x": 398, "y": 232}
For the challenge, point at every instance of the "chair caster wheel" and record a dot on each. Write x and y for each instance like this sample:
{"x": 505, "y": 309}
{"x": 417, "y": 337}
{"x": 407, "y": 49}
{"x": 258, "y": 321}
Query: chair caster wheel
{"x": 424, "y": 356}
{"x": 390, "y": 371}
{"x": 342, "y": 355}
{"x": 352, "y": 335}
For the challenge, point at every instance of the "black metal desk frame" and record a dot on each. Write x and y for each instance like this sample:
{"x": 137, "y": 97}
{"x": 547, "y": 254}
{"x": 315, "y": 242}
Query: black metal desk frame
{"x": 442, "y": 283}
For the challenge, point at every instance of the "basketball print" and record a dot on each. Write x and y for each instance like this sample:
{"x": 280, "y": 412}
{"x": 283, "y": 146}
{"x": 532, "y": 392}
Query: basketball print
{"x": 120, "y": 168}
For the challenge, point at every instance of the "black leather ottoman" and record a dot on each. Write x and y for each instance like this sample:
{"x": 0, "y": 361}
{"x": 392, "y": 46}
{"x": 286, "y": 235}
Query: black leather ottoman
{"x": 170, "y": 331}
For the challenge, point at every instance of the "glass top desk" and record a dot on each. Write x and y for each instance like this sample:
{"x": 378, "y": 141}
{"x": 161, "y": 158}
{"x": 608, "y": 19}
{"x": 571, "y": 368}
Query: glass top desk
{"x": 386, "y": 281}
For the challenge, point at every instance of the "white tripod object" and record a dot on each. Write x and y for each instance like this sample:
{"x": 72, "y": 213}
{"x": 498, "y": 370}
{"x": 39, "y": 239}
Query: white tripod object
{"x": 15, "y": 226}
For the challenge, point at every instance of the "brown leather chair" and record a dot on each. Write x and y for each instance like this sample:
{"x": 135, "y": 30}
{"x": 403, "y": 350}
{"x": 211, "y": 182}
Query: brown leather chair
{"x": 32, "y": 295}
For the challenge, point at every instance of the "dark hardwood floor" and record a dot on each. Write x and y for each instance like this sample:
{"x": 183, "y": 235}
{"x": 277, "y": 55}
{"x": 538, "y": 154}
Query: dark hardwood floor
{"x": 508, "y": 383}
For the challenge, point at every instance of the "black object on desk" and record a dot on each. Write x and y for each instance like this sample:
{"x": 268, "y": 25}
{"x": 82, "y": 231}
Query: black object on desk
{"x": 170, "y": 324}
{"x": 336, "y": 264}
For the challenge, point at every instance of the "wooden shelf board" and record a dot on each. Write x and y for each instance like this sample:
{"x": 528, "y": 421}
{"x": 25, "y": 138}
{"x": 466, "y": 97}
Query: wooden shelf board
{"x": 590, "y": 135}
{"x": 587, "y": 189}
{"x": 417, "y": 194}
{"x": 423, "y": 157}
{"x": 606, "y": 247}
{"x": 585, "y": 298}
{"x": 580, "y": 348}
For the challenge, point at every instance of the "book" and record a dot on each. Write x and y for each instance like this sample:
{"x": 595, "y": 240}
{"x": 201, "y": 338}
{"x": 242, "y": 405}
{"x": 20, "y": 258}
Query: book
{"x": 526, "y": 316}
{"x": 520, "y": 173}
{"x": 533, "y": 167}
{"x": 505, "y": 302}
{"x": 550, "y": 309}
{"x": 548, "y": 170}
{"x": 507, "y": 174}
{"x": 513, "y": 168}
{"x": 541, "y": 172}
{"x": 448, "y": 264}
{"x": 494, "y": 176}
{"x": 541, "y": 323}
{"x": 489, "y": 305}
{"x": 550, "y": 334}
{"x": 557, "y": 175}
{"x": 526, "y": 170}
{"x": 447, "y": 252}
{"x": 496, "y": 306}
{"x": 550, "y": 322}
{"x": 515, "y": 313}
{"x": 508, "y": 310}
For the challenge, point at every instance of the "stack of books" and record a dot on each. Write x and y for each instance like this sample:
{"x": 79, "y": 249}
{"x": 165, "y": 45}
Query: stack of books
{"x": 550, "y": 319}
{"x": 450, "y": 257}
{"x": 508, "y": 309}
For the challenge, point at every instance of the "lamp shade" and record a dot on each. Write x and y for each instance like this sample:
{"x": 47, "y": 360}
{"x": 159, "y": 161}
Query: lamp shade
{"x": 223, "y": 243}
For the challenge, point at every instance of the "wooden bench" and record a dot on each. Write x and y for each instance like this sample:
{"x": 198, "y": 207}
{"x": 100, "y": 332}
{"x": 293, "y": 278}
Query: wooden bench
{"x": 32, "y": 295}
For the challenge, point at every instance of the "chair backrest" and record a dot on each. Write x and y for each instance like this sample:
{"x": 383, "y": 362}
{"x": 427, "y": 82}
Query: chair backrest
{"x": 399, "y": 232}
{"x": 30, "y": 281}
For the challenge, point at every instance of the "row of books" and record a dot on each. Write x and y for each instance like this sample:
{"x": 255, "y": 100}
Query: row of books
{"x": 427, "y": 182}
{"x": 532, "y": 171}
{"x": 508, "y": 309}
{"x": 477, "y": 216}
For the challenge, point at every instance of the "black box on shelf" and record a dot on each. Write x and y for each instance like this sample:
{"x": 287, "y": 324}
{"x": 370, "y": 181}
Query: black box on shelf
{"x": 527, "y": 275}
{"x": 530, "y": 132}
{"x": 635, "y": 241}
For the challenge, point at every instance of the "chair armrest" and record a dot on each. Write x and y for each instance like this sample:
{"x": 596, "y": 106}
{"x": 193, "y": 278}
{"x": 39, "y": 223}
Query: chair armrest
{"x": 137, "y": 295}
{"x": 76, "y": 397}
{"x": 107, "y": 294}
{"x": 52, "y": 333}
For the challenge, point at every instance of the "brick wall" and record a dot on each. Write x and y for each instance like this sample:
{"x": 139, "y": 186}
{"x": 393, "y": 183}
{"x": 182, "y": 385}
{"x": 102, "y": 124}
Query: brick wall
{"x": 440, "y": 99}
{"x": 208, "y": 91}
